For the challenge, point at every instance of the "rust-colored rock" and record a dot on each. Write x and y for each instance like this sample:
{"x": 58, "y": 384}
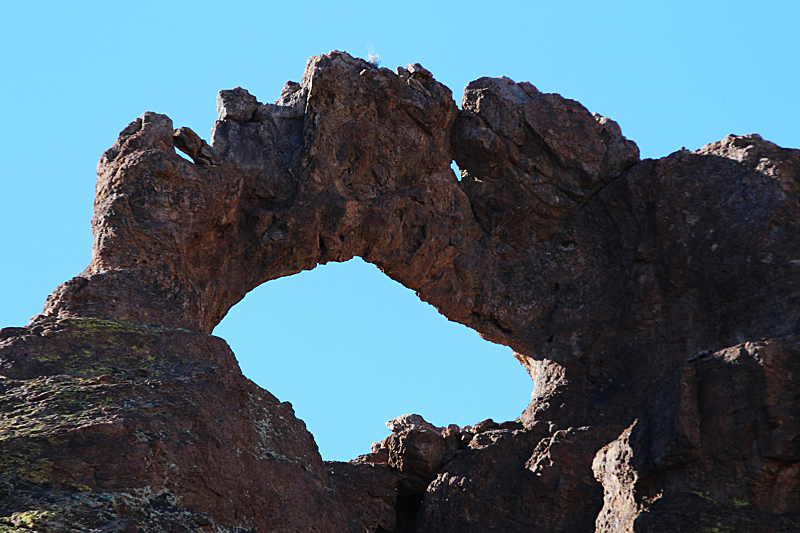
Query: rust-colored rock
{"x": 654, "y": 303}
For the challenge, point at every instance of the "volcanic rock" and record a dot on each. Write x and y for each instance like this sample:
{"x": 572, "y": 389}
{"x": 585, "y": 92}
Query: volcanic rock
{"x": 719, "y": 445}
{"x": 117, "y": 426}
{"x": 654, "y": 303}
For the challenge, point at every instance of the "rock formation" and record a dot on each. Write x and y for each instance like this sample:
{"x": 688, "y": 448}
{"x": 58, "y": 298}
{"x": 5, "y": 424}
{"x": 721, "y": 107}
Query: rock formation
{"x": 654, "y": 303}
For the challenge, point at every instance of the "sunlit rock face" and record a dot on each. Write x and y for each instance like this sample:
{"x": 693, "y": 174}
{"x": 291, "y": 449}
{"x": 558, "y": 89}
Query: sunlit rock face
{"x": 653, "y": 302}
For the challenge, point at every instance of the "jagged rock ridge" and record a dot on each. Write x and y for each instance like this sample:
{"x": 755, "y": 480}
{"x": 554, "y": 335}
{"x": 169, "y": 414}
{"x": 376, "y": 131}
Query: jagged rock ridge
{"x": 654, "y": 304}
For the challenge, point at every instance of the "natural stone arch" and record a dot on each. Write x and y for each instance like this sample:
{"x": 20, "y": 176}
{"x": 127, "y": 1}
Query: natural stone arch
{"x": 538, "y": 247}
{"x": 354, "y": 161}
{"x": 293, "y": 185}
{"x": 319, "y": 177}
{"x": 612, "y": 279}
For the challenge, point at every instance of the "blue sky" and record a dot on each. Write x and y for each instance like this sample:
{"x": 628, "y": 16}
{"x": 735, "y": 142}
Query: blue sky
{"x": 346, "y": 345}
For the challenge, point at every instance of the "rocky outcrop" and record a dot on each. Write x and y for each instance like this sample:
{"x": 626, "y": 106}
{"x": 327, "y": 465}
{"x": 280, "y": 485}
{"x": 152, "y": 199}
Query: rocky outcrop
{"x": 114, "y": 426}
{"x": 718, "y": 445}
{"x": 654, "y": 304}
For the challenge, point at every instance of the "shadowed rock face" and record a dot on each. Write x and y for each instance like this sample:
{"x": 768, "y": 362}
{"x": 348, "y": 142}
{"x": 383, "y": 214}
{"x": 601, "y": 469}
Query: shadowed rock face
{"x": 653, "y": 302}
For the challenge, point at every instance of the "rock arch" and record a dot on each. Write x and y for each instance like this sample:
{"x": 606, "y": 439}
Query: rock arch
{"x": 355, "y": 161}
{"x": 613, "y": 279}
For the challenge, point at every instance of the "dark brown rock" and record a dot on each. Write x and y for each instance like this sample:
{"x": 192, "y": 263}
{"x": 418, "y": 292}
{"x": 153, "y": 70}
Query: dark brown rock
{"x": 614, "y": 280}
{"x": 115, "y": 426}
{"x": 416, "y": 451}
{"x": 369, "y": 495}
{"x": 192, "y": 145}
{"x": 718, "y": 444}
{"x": 529, "y": 159}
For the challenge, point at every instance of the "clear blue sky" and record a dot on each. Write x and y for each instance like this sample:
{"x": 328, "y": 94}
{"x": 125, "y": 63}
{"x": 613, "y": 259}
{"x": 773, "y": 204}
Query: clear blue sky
{"x": 347, "y": 346}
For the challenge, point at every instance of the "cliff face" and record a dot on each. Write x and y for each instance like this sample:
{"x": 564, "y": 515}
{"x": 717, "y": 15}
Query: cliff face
{"x": 654, "y": 304}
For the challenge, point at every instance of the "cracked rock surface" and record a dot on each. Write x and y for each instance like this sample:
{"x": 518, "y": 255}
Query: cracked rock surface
{"x": 654, "y": 304}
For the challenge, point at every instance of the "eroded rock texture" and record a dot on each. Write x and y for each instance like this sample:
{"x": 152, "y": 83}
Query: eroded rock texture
{"x": 654, "y": 303}
{"x": 117, "y": 426}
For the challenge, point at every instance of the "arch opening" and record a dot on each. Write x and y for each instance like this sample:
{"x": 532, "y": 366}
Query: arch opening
{"x": 350, "y": 349}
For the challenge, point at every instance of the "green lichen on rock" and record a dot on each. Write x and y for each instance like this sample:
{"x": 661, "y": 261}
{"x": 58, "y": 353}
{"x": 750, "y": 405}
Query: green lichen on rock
{"x": 59, "y": 377}
{"x": 42, "y": 509}
{"x": 92, "y": 326}
{"x": 53, "y": 404}
{"x": 38, "y": 506}
{"x": 130, "y": 345}
{"x": 11, "y": 529}
{"x": 22, "y": 458}
{"x": 36, "y": 519}
{"x": 66, "y": 385}
{"x": 96, "y": 348}
{"x": 99, "y": 420}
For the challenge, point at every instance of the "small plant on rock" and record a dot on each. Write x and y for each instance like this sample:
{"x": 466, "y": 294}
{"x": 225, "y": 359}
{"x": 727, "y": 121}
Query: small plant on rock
{"x": 373, "y": 56}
